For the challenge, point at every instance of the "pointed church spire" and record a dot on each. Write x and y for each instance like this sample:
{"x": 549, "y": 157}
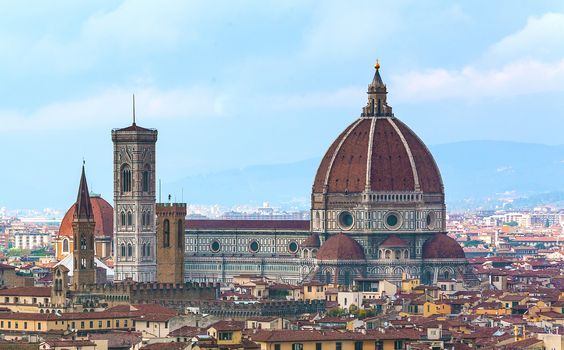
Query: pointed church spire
{"x": 134, "y": 109}
{"x": 83, "y": 205}
{"x": 377, "y": 80}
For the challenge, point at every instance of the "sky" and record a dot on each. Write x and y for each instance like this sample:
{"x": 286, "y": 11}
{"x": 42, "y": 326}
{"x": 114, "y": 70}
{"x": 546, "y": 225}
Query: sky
{"x": 230, "y": 84}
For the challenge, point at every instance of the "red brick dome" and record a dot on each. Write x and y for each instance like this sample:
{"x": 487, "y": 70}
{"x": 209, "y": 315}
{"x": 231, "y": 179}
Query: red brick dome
{"x": 393, "y": 241}
{"x": 312, "y": 241}
{"x": 377, "y": 152}
{"x": 441, "y": 246}
{"x": 103, "y": 217}
{"x": 383, "y": 151}
{"x": 341, "y": 247}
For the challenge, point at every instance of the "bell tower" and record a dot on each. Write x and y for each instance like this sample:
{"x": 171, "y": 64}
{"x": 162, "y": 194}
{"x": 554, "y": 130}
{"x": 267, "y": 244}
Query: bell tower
{"x": 83, "y": 234}
{"x": 170, "y": 242}
{"x": 134, "y": 203}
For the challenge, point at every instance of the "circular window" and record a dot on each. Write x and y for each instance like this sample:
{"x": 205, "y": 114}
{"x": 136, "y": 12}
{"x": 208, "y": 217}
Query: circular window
{"x": 215, "y": 246}
{"x": 293, "y": 247}
{"x": 346, "y": 220}
{"x": 392, "y": 221}
{"x": 254, "y": 246}
{"x": 430, "y": 220}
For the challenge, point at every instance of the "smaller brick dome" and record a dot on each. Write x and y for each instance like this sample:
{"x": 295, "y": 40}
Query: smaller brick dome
{"x": 103, "y": 218}
{"x": 341, "y": 247}
{"x": 441, "y": 246}
{"x": 312, "y": 241}
{"x": 393, "y": 241}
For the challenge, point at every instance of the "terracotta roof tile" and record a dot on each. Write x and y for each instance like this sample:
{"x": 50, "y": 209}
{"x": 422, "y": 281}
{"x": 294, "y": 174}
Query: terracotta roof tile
{"x": 298, "y": 225}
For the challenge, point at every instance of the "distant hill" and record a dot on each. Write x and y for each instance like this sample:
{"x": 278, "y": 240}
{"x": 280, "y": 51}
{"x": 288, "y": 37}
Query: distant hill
{"x": 475, "y": 173}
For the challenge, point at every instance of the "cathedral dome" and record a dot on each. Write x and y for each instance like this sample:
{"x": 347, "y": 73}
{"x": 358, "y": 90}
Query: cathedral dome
{"x": 103, "y": 217}
{"x": 379, "y": 153}
{"x": 394, "y": 241}
{"x": 341, "y": 247}
{"x": 441, "y": 246}
{"x": 312, "y": 241}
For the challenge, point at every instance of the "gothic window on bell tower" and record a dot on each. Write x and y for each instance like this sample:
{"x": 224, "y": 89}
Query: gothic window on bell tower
{"x": 123, "y": 250}
{"x": 82, "y": 243}
{"x": 145, "y": 178}
{"x": 126, "y": 179}
{"x": 123, "y": 222}
{"x": 129, "y": 218}
{"x": 129, "y": 250}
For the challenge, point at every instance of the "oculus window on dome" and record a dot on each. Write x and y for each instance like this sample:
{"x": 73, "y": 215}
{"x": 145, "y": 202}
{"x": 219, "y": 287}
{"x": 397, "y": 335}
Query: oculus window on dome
{"x": 392, "y": 220}
{"x": 254, "y": 246}
{"x": 215, "y": 246}
{"x": 293, "y": 247}
{"x": 346, "y": 220}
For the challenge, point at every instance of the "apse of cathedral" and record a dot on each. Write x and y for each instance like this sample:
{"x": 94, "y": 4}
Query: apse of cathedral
{"x": 377, "y": 211}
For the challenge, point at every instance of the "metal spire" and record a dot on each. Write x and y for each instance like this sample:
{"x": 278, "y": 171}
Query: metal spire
{"x": 134, "y": 109}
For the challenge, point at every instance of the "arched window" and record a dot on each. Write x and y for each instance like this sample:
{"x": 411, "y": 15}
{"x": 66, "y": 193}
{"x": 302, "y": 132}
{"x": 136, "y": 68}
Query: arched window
{"x": 126, "y": 179}
{"x": 148, "y": 249}
{"x": 129, "y": 219}
{"x": 446, "y": 275}
{"x": 328, "y": 278}
{"x": 406, "y": 254}
{"x": 166, "y": 233}
{"x": 123, "y": 249}
{"x": 397, "y": 254}
{"x": 143, "y": 216}
{"x": 388, "y": 254}
{"x": 180, "y": 234}
{"x": 347, "y": 278}
{"x": 145, "y": 178}
{"x": 428, "y": 277}
{"x": 82, "y": 243}
{"x": 65, "y": 245}
{"x": 123, "y": 222}
{"x": 129, "y": 249}
{"x": 143, "y": 249}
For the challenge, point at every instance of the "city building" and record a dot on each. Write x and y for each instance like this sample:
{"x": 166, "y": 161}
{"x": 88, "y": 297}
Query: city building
{"x": 377, "y": 211}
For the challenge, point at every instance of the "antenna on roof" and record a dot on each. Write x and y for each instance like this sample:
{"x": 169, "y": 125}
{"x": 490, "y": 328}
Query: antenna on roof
{"x": 134, "y": 109}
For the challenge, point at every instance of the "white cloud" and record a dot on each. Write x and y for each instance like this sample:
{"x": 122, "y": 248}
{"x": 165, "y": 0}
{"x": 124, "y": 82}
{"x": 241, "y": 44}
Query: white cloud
{"x": 530, "y": 60}
{"x": 115, "y": 104}
{"x": 542, "y": 38}
{"x": 343, "y": 97}
{"x": 517, "y": 78}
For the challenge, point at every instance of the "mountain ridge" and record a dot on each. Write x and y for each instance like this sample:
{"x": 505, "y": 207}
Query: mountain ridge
{"x": 474, "y": 173}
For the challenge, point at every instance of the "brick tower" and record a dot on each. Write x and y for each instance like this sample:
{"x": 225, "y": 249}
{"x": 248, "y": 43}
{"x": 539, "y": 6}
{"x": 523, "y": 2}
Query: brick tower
{"x": 170, "y": 242}
{"x": 83, "y": 234}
